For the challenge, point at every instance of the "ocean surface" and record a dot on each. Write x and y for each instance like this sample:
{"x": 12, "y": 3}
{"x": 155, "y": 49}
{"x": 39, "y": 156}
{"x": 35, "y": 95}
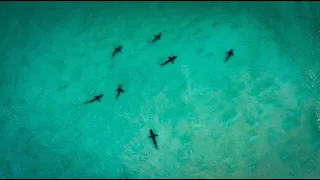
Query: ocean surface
{"x": 255, "y": 116}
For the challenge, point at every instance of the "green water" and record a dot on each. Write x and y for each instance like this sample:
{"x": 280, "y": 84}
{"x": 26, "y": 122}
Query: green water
{"x": 255, "y": 116}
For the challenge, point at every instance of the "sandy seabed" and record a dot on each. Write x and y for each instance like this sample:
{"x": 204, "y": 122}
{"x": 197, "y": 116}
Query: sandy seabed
{"x": 255, "y": 116}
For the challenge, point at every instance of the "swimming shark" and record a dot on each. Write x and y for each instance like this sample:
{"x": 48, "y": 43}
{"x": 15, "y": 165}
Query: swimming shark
{"x": 230, "y": 53}
{"x": 119, "y": 90}
{"x": 117, "y": 50}
{"x": 156, "y": 38}
{"x": 171, "y": 59}
{"x": 96, "y": 98}
{"x": 153, "y": 136}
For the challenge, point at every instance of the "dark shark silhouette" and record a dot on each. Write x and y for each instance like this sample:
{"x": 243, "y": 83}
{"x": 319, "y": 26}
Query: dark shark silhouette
{"x": 119, "y": 90}
{"x": 230, "y": 53}
{"x": 117, "y": 50}
{"x": 171, "y": 59}
{"x": 153, "y": 136}
{"x": 96, "y": 98}
{"x": 156, "y": 38}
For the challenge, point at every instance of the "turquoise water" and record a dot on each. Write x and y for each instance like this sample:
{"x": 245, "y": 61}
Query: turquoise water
{"x": 255, "y": 116}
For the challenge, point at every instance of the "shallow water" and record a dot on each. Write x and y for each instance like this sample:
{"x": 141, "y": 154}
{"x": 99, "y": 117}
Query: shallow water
{"x": 255, "y": 116}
